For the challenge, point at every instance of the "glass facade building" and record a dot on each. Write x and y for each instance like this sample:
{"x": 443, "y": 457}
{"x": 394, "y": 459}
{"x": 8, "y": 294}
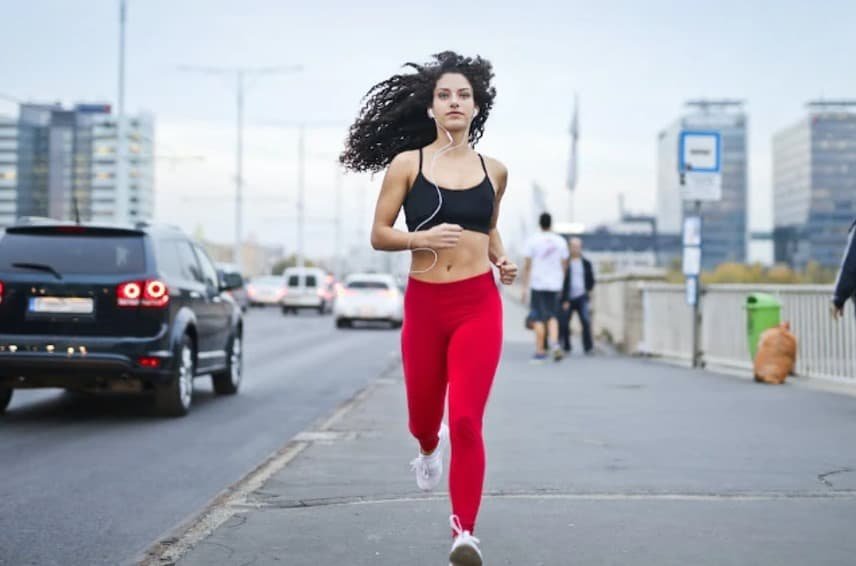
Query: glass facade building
{"x": 67, "y": 164}
{"x": 814, "y": 188}
{"x": 8, "y": 170}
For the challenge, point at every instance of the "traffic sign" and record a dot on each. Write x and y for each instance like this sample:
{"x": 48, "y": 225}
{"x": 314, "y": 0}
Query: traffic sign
{"x": 692, "y": 260}
{"x": 692, "y": 291}
{"x": 692, "y": 231}
{"x": 700, "y": 165}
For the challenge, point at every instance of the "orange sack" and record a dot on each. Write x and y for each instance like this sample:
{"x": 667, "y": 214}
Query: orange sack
{"x": 777, "y": 354}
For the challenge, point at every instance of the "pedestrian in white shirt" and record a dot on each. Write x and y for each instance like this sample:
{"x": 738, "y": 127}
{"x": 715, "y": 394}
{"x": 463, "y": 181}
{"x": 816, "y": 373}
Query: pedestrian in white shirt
{"x": 543, "y": 273}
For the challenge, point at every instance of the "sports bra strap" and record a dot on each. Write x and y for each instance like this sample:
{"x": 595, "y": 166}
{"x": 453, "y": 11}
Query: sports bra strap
{"x": 483, "y": 165}
{"x": 420, "y": 159}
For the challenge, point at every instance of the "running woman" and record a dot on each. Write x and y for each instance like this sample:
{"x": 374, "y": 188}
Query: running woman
{"x": 422, "y": 126}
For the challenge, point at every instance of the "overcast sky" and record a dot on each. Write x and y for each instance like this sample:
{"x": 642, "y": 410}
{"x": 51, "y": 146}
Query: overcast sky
{"x": 633, "y": 64}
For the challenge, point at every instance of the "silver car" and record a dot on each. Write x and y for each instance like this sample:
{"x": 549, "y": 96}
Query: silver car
{"x": 369, "y": 297}
{"x": 266, "y": 290}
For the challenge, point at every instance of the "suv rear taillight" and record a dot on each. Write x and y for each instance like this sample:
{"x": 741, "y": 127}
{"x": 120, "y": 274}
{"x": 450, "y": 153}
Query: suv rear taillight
{"x": 2, "y": 289}
{"x": 151, "y": 293}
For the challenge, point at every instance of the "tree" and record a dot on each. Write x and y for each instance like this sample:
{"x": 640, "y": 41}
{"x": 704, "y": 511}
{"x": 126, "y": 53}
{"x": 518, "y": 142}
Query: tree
{"x": 291, "y": 261}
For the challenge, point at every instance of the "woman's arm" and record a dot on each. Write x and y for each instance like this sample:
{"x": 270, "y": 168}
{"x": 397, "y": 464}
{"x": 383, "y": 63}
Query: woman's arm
{"x": 392, "y": 194}
{"x": 496, "y": 249}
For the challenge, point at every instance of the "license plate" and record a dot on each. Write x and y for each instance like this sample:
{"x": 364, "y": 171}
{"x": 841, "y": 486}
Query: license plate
{"x": 62, "y": 305}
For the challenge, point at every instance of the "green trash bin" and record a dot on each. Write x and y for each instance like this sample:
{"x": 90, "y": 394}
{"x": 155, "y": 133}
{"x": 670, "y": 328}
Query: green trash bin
{"x": 763, "y": 311}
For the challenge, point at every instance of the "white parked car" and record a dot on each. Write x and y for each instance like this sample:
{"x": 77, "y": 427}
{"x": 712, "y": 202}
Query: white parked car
{"x": 369, "y": 296}
{"x": 307, "y": 288}
{"x": 266, "y": 290}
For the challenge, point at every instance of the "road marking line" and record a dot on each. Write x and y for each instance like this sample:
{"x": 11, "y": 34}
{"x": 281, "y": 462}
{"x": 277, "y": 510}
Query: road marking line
{"x": 675, "y": 496}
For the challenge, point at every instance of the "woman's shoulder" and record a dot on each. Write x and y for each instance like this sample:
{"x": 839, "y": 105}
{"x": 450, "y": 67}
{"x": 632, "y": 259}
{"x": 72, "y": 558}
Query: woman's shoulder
{"x": 496, "y": 169}
{"x": 495, "y": 165}
{"x": 405, "y": 158}
{"x": 405, "y": 165}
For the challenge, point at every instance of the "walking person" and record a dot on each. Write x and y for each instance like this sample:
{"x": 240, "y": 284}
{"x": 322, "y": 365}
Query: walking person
{"x": 579, "y": 283}
{"x": 845, "y": 284}
{"x": 543, "y": 271}
{"x": 422, "y": 126}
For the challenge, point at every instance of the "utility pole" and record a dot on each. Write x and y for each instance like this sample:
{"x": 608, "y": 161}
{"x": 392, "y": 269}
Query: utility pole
{"x": 301, "y": 126}
{"x": 240, "y": 74}
{"x": 339, "y": 251}
{"x": 301, "y": 189}
{"x": 122, "y": 196}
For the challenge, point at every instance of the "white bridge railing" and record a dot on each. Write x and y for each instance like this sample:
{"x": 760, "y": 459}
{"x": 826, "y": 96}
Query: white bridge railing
{"x": 653, "y": 318}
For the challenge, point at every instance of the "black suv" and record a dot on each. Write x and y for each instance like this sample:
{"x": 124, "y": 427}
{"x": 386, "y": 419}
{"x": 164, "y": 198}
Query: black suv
{"x": 102, "y": 308}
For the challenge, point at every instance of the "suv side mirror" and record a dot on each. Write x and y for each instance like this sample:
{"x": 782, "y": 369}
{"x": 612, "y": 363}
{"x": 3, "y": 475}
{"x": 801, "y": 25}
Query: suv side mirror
{"x": 229, "y": 281}
{"x": 221, "y": 280}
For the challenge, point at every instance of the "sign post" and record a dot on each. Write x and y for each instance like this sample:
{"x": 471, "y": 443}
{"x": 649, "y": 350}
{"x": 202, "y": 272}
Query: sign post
{"x": 692, "y": 272}
{"x": 700, "y": 179}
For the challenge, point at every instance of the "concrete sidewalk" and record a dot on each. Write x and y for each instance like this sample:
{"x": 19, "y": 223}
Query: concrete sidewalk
{"x": 591, "y": 461}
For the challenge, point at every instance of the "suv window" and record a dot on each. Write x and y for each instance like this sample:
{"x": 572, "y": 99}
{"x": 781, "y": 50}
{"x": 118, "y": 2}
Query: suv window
{"x": 294, "y": 280}
{"x": 209, "y": 272}
{"x": 311, "y": 281}
{"x": 189, "y": 264}
{"x": 74, "y": 253}
{"x": 169, "y": 259}
{"x": 233, "y": 279}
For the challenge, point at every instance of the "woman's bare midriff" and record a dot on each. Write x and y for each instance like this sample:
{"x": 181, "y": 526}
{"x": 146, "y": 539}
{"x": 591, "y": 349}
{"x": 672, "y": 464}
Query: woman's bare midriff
{"x": 468, "y": 259}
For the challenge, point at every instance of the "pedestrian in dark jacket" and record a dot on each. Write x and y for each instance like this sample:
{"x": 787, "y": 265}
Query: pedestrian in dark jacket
{"x": 845, "y": 285}
{"x": 579, "y": 282}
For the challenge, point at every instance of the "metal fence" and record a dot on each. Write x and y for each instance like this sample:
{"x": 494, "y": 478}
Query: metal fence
{"x": 826, "y": 348}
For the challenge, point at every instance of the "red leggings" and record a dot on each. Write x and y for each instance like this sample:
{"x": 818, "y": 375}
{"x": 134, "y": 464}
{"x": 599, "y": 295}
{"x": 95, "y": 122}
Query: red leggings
{"x": 452, "y": 336}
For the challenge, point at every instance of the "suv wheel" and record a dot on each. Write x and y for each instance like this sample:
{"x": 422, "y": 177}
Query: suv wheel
{"x": 5, "y": 398}
{"x": 173, "y": 399}
{"x": 228, "y": 381}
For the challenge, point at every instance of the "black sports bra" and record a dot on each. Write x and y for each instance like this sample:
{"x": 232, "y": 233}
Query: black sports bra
{"x": 471, "y": 208}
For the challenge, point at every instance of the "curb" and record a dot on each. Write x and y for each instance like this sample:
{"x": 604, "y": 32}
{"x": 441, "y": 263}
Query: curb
{"x": 178, "y": 541}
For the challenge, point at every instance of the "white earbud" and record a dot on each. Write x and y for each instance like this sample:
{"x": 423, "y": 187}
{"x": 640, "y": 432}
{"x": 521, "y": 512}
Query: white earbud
{"x": 475, "y": 112}
{"x": 430, "y": 113}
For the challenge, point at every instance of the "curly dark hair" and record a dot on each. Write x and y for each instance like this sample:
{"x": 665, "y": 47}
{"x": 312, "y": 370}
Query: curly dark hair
{"x": 394, "y": 119}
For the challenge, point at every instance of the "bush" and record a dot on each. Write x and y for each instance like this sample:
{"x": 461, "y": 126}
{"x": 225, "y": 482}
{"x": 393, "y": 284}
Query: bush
{"x": 779, "y": 274}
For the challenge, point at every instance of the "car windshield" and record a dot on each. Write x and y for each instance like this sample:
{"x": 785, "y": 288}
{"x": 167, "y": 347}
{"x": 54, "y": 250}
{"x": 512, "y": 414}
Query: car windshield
{"x": 367, "y": 284}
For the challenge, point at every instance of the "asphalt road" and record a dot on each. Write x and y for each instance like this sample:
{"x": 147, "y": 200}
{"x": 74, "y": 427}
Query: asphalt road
{"x": 95, "y": 480}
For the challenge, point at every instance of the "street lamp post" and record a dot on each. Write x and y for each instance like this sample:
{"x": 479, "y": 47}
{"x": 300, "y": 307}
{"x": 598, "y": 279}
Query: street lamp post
{"x": 301, "y": 189}
{"x": 240, "y": 74}
{"x": 301, "y": 126}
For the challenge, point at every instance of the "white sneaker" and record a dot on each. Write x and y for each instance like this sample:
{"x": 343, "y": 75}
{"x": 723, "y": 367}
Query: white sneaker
{"x": 465, "y": 550}
{"x": 429, "y": 468}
